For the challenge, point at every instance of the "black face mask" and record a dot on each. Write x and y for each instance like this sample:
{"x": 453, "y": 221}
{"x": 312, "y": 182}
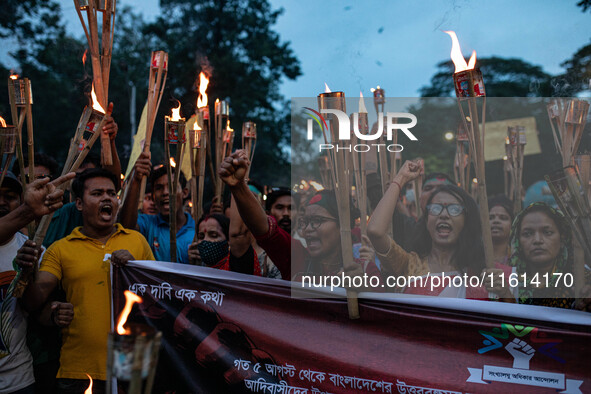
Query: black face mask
{"x": 212, "y": 252}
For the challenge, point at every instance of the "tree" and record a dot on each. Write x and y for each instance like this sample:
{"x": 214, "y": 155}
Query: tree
{"x": 233, "y": 41}
{"x": 584, "y": 4}
{"x": 26, "y": 19}
{"x": 577, "y": 75}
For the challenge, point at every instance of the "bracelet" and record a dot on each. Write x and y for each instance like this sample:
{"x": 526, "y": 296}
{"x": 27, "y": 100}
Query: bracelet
{"x": 397, "y": 184}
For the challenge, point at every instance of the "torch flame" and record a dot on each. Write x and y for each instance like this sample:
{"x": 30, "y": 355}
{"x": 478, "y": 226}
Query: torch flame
{"x": 89, "y": 389}
{"x": 130, "y": 299}
{"x": 456, "y": 54}
{"x": 203, "y": 82}
{"x": 472, "y": 61}
{"x": 228, "y": 126}
{"x": 14, "y": 76}
{"x": 2, "y": 122}
{"x": 326, "y": 88}
{"x": 84, "y": 57}
{"x": 317, "y": 186}
{"x": 196, "y": 125}
{"x": 172, "y": 162}
{"x": 362, "y": 108}
{"x": 95, "y": 104}
{"x": 176, "y": 113}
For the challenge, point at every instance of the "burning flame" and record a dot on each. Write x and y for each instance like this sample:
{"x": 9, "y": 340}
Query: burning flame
{"x": 14, "y": 76}
{"x": 362, "y": 108}
{"x": 172, "y": 162}
{"x": 89, "y": 389}
{"x": 2, "y": 122}
{"x": 203, "y": 82}
{"x": 84, "y": 57}
{"x": 122, "y": 177}
{"x": 95, "y": 104}
{"x": 176, "y": 113}
{"x": 228, "y": 126}
{"x": 326, "y": 88}
{"x": 196, "y": 126}
{"x": 317, "y": 186}
{"x": 130, "y": 299}
{"x": 456, "y": 54}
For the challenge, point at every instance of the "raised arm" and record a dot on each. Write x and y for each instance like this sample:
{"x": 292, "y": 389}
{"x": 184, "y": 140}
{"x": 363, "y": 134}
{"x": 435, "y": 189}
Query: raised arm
{"x": 240, "y": 238}
{"x": 377, "y": 228}
{"x": 129, "y": 210}
{"x": 233, "y": 171}
{"x": 41, "y": 198}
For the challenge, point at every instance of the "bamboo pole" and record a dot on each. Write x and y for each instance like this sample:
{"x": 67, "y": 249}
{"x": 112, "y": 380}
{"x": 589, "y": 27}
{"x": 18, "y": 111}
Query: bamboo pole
{"x": 567, "y": 190}
{"x": 156, "y": 84}
{"x": 100, "y": 54}
{"x": 360, "y": 120}
{"x": 249, "y": 141}
{"x": 7, "y": 148}
{"x": 337, "y": 161}
{"x": 222, "y": 113}
{"x": 476, "y": 137}
{"x": 174, "y": 128}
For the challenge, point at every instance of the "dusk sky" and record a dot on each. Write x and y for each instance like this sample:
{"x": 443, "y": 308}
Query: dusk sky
{"x": 355, "y": 46}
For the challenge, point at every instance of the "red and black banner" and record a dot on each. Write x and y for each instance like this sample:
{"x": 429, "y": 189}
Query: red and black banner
{"x": 231, "y": 333}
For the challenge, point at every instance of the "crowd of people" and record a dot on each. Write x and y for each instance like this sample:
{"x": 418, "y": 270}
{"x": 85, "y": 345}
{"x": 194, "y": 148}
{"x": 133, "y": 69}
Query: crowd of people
{"x": 64, "y": 313}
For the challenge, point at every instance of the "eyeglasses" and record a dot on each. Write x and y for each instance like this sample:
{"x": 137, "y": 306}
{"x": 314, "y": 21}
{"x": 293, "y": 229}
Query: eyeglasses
{"x": 452, "y": 209}
{"x": 313, "y": 221}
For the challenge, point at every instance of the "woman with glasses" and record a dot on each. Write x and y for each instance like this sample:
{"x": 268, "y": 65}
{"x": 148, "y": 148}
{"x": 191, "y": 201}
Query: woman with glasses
{"x": 447, "y": 242}
{"x": 320, "y": 228}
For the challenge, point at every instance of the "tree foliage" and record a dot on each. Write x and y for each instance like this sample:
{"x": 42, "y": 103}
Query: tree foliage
{"x": 233, "y": 42}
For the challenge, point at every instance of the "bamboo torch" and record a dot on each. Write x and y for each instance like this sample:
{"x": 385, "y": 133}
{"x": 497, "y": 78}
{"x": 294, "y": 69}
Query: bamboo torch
{"x": 100, "y": 53}
{"x": 583, "y": 163}
{"x": 88, "y": 130}
{"x": 360, "y": 121}
{"x": 132, "y": 352}
{"x": 198, "y": 153}
{"x": 340, "y": 177}
{"x": 200, "y": 146}
{"x": 249, "y": 140}
{"x": 517, "y": 141}
{"x": 507, "y": 169}
{"x": 469, "y": 86}
{"x": 462, "y": 159}
{"x": 568, "y": 192}
{"x": 174, "y": 129}
{"x": 7, "y": 147}
{"x": 21, "y": 101}
{"x": 156, "y": 83}
{"x": 222, "y": 113}
{"x": 568, "y": 119}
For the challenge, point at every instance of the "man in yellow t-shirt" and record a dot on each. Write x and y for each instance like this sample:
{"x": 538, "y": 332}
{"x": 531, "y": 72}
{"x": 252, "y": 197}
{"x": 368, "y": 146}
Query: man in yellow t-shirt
{"x": 81, "y": 261}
